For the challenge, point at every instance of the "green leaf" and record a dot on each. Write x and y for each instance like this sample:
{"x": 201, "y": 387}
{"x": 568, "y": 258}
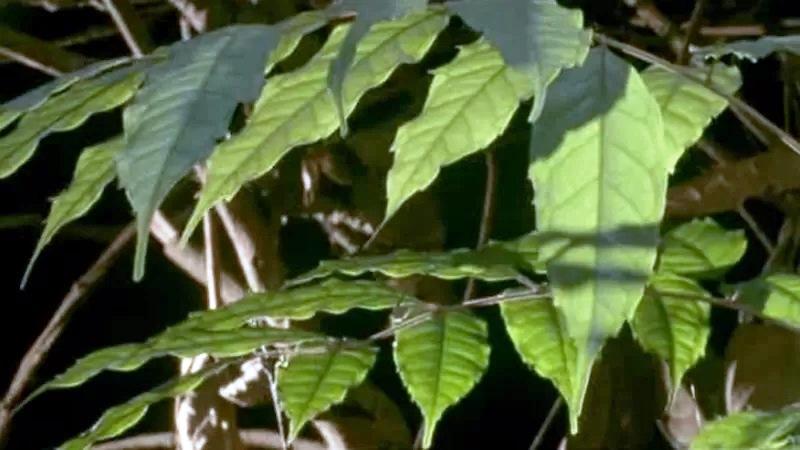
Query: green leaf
{"x": 536, "y": 37}
{"x": 440, "y": 360}
{"x": 292, "y": 32}
{"x": 120, "y": 418}
{"x": 776, "y": 296}
{"x": 599, "y": 171}
{"x": 368, "y": 13}
{"x": 296, "y": 108}
{"x": 750, "y": 430}
{"x": 64, "y": 112}
{"x": 687, "y": 106}
{"x": 12, "y": 109}
{"x": 537, "y": 330}
{"x": 470, "y": 103}
{"x": 180, "y": 341}
{"x": 701, "y": 248}
{"x": 752, "y": 50}
{"x": 95, "y": 169}
{"x": 497, "y": 261}
{"x": 673, "y": 327}
{"x": 183, "y": 109}
{"x": 331, "y": 296}
{"x": 311, "y": 383}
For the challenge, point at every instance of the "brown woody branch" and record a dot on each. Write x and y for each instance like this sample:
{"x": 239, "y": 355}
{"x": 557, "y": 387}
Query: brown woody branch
{"x": 38, "y": 54}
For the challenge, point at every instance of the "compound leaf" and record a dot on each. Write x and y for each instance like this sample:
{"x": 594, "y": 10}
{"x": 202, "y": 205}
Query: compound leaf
{"x": 311, "y": 383}
{"x": 440, "y": 360}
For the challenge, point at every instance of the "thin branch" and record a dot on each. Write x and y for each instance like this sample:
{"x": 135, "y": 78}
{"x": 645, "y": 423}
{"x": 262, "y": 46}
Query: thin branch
{"x": 735, "y": 102}
{"x": 658, "y": 22}
{"x": 38, "y": 54}
{"x": 80, "y": 289}
{"x": 551, "y": 415}
{"x": 487, "y": 215}
{"x": 130, "y": 26}
{"x": 691, "y": 31}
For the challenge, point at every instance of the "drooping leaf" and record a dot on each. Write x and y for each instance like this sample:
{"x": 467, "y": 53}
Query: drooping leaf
{"x": 777, "y": 296}
{"x": 181, "y": 341}
{"x": 368, "y": 13}
{"x": 64, "y": 112}
{"x": 13, "y": 108}
{"x": 688, "y": 107}
{"x": 701, "y": 248}
{"x": 183, "y": 109}
{"x": 470, "y": 103}
{"x": 600, "y": 176}
{"x": 296, "y": 108}
{"x": 671, "y": 327}
{"x": 440, "y": 360}
{"x": 537, "y": 37}
{"x": 496, "y": 261}
{"x": 120, "y": 418}
{"x": 331, "y": 296}
{"x": 537, "y": 330}
{"x": 95, "y": 169}
{"x": 752, "y": 50}
{"x": 311, "y": 383}
{"x": 750, "y": 430}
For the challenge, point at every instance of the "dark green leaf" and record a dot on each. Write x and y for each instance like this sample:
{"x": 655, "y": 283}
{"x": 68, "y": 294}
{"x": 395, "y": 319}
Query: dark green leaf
{"x": 776, "y": 296}
{"x": 183, "y": 109}
{"x": 751, "y": 49}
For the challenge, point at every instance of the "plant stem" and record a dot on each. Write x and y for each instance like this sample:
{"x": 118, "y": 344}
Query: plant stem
{"x": 551, "y": 415}
{"x": 487, "y": 214}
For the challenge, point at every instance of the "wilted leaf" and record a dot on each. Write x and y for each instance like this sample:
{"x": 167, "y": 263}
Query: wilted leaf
{"x": 536, "y": 37}
{"x": 749, "y": 430}
{"x": 64, "y": 112}
{"x": 332, "y": 296}
{"x": 470, "y": 103}
{"x": 600, "y": 175}
{"x": 183, "y": 109}
{"x": 496, "y": 261}
{"x": 120, "y": 418}
{"x": 673, "y": 327}
{"x": 95, "y": 169}
{"x": 701, "y": 248}
{"x": 178, "y": 341}
{"x": 296, "y": 108}
{"x": 688, "y": 107}
{"x": 440, "y": 360}
{"x": 751, "y": 49}
{"x": 312, "y": 383}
